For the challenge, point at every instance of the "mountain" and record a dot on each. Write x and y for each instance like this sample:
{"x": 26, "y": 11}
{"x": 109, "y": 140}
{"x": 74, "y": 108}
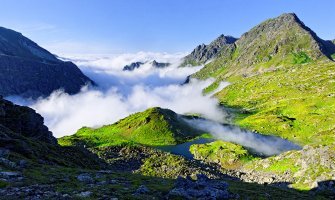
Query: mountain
{"x": 132, "y": 66}
{"x": 203, "y": 53}
{"x": 281, "y": 76}
{"x": 136, "y": 65}
{"x": 155, "y": 126}
{"x": 156, "y": 64}
{"x": 281, "y": 41}
{"x": 29, "y": 70}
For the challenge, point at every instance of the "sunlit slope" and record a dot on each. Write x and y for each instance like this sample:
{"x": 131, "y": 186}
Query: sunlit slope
{"x": 282, "y": 79}
{"x": 155, "y": 126}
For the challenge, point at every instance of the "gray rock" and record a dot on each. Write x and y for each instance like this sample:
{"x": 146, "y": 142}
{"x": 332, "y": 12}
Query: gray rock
{"x": 113, "y": 181}
{"x": 142, "y": 190}
{"x": 8, "y": 163}
{"x": 23, "y": 121}
{"x": 23, "y": 163}
{"x": 4, "y": 152}
{"x": 202, "y": 188}
{"x": 203, "y": 53}
{"x": 85, "y": 194}
{"x": 85, "y": 178}
{"x": 10, "y": 175}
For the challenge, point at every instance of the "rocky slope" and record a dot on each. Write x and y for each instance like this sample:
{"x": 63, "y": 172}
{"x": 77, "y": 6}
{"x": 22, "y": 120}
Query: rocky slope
{"x": 27, "y": 69}
{"x": 311, "y": 167}
{"x": 24, "y": 136}
{"x": 204, "y": 53}
{"x": 136, "y": 65}
{"x": 281, "y": 41}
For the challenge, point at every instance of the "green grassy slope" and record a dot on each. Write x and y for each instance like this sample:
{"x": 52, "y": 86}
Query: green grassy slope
{"x": 274, "y": 43}
{"x": 155, "y": 126}
{"x": 282, "y": 81}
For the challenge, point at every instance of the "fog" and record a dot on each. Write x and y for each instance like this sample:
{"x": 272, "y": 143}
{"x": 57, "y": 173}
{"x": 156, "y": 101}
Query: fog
{"x": 260, "y": 144}
{"x": 121, "y": 93}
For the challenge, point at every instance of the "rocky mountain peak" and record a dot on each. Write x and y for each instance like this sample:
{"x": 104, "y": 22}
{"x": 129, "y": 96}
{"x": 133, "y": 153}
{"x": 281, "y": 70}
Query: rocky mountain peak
{"x": 204, "y": 53}
{"x": 273, "y": 43}
{"x": 222, "y": 40}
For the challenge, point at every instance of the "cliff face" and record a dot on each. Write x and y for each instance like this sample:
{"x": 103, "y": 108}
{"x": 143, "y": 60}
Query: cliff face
{"x": 27, "y": 69}
{"x": 17, "y": 121}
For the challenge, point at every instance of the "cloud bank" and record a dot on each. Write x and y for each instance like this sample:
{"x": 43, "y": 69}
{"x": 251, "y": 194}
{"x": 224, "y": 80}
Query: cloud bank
{"x": 121, "y": 93}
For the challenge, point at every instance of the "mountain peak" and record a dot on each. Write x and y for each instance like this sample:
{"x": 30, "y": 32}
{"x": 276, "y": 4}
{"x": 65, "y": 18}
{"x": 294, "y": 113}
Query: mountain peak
{"x": 276, "y": 42}
{"x": 204, "y": 53}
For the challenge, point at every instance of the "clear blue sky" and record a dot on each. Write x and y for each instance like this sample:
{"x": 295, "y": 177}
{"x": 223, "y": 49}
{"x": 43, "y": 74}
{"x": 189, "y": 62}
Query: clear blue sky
{"x": 116, "y": 26}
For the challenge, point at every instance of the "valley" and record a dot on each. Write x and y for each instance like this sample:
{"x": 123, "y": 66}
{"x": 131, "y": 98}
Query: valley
{"x": 239, "y": 118}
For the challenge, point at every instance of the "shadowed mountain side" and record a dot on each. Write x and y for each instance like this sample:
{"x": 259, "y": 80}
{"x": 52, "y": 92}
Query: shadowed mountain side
{"x": 27, "y": 69}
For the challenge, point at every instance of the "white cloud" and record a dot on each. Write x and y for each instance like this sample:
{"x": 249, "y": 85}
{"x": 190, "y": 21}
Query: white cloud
{"x": 260, "y": 144}
{"x": 121, "y": 93}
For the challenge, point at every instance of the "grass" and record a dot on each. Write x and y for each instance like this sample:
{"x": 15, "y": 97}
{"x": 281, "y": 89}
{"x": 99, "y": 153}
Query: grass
{"x": 301, "y": 58}
{"x": 296, "y": 103}
{"x": 228, "y": 155}
{"x": 154, "y": 127}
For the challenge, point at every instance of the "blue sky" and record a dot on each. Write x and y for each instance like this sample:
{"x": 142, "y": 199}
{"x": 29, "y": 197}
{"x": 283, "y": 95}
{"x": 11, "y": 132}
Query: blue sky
{"x": 120, "y": 26}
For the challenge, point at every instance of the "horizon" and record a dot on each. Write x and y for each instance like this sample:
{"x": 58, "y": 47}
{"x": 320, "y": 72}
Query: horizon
{"x": 118, "y": 27}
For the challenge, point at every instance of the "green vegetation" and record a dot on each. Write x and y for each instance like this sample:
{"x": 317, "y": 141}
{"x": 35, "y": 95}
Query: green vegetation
{"x": 301, "y": 58}
{"x": 280, "y": 81}
{"x": 166, "y": 166}
{"x": 228, "y": 155}
{"x": 155, "y": 126}
{"x": 3, "y": 184}
{"x": 294, "y": 102}
{"x": 305, "y": 167}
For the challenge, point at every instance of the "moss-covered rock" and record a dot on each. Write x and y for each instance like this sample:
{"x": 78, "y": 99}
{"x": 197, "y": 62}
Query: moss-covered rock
{"x": 227, "y": 155}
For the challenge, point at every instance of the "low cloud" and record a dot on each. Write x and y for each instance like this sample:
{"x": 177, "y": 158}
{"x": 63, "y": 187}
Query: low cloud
{"x": 121, "y": 93}
{"x": 260, "y": 144}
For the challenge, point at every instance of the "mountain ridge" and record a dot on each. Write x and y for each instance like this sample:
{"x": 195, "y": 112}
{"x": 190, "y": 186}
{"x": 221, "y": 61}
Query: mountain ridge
{"x": 204, "y": 53}
{"x": 136, "y": 65}
{"x": 28, "y": 70}
{"x": 274, "y": 42}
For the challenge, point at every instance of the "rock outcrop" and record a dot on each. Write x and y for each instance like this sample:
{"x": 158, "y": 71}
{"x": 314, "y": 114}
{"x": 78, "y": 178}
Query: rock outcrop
{"x": 28, "y": 70}
{"x": 136, "y": 65}
{"x": 306, "y": 168}
{"x": 204, "y": 53}
{"x": 132, "y": 66}
{"x": 23, "y": 121}
{"x": 202, "y": 188}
